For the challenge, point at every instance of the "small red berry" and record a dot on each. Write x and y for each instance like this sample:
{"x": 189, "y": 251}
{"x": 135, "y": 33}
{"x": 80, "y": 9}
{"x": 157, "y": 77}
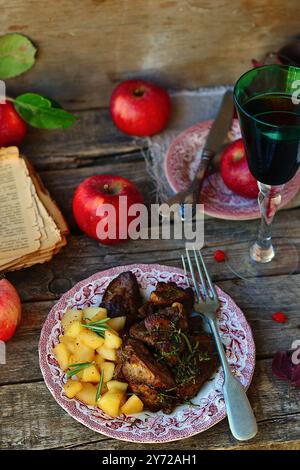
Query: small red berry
{"x": 279, "y": 317}
{"x": 219, "y": 256}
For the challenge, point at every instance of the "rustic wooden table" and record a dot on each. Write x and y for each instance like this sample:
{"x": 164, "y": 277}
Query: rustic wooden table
{"x": 29, "y": 416}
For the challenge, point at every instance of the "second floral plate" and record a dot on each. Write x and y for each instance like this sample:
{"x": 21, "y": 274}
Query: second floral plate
{"x": 219, "y": 201}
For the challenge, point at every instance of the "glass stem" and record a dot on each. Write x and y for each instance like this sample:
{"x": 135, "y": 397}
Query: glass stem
{"x": 269, "y": 199}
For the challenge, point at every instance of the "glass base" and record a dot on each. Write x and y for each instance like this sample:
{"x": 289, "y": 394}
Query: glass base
{"x": 261, "y": 255}
{"x": 281, "y": 259}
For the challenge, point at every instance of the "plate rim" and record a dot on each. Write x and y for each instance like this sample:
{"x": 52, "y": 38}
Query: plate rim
{"x": 114, "y": 433}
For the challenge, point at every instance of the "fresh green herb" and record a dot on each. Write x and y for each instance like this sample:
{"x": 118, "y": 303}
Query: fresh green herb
{"x": 17, "y": 55}
{"x": 204, "y": 356}
{"x": 75, "y": 368}
{"x": 187, "y": 342}
{"x": 162, "y": 396}
{"x": 187, "y": 369}
{"x": 99, "y": 388}
{"x": 98, "y": 327}
{"x": 42, "y": 112}
{"x": 191, "y": 403}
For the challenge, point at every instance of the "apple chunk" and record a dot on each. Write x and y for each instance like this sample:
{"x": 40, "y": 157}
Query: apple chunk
{"x": 94, "y": 313}
{"x": 117, "y": 323}
{"x": 132, "y": 405}
{"x": 110, "y": 403}
{"x": 70, "y": 316}
{"x": 87, "y": 394}
{"x": 112, "y": 340}
{"x": 72, "y": 387}
{"x": 62, "y": 355}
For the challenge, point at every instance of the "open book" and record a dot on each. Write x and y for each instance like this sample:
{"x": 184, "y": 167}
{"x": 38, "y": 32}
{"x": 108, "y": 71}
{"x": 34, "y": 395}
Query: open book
{"x": 32, "y": 228}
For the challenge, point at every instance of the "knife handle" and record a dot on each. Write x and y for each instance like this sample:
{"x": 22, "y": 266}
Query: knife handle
{"x": 206, "y": 157}
{"x": 194, "y": 195}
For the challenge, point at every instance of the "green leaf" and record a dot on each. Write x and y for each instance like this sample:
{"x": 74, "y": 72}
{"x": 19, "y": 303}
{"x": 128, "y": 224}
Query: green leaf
{"x": 17, "y": 55}
{"x": 42, "y": 112}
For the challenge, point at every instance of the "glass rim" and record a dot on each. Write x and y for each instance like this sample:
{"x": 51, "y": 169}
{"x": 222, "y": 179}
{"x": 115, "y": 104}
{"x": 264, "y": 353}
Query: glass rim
{"x": 266, "y": 66}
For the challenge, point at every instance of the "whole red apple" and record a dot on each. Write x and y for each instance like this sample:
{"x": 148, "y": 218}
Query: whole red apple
{"x": 12, "y": 127}
{"x": 235, "y": 171}
{"x": 108, "y": 225}
{"x": 140, "y": 108}
{"x": 10, "y": 310}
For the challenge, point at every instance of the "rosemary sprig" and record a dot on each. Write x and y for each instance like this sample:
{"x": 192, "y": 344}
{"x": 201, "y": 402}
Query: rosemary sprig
{"x": 98, "y": 327}
{"x": 99, "y": 388}
{"x": 75, "y": 368}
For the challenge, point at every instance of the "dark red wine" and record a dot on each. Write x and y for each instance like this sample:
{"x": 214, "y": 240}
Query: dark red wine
{"x": 272, "y": 139}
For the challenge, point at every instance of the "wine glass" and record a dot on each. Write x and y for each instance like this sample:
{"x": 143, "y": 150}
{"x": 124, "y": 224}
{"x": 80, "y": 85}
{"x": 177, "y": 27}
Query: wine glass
{"x": 267, "y": 100}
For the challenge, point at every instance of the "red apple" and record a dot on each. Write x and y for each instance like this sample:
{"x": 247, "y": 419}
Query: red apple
{"x": 12, "y": 127}
{"x": 90, "y": 210}
{"x": 235, "y": 171}
{"x": 140, "y": 108}
{"x": 10, "y": 310}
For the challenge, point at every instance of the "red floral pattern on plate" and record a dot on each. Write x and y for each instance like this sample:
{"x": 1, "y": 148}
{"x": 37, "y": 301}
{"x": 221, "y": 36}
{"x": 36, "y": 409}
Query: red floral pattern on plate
{"x": 219, "y": 201}
{"x": 185, "y": 420}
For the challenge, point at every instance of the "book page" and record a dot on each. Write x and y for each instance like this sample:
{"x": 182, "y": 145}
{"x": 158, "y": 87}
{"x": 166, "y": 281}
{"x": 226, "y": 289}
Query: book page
{"x": 19, "y": 227}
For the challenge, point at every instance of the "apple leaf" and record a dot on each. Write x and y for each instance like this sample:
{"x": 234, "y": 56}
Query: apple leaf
{"x": 17, "y": 55}
{"x": 42, "y": 112}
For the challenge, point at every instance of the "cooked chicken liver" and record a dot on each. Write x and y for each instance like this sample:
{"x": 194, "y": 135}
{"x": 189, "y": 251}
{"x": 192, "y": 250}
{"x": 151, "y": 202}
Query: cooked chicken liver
{"x": 122, "y": 297}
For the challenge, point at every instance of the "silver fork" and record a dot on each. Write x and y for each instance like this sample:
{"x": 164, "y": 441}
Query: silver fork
{"x": 241, "y": 419}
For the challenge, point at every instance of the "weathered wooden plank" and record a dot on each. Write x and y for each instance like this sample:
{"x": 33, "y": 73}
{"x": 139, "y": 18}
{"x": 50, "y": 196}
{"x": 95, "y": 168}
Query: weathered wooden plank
{"x": 177, "y": 44}
{"x": 22, "y": 357}
{"x": 275, "y": 434}
{"x": 22, "y": 361}
{"x": 45, "y": 425}
{"x": 93, "y": 136}
{"x": 47, "y": 281}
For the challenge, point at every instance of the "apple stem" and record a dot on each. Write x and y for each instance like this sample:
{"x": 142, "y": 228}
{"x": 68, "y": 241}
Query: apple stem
{"x": 106, "y": 187}
{"x": 139, "y": 91}
{"x": 8, "y": 98}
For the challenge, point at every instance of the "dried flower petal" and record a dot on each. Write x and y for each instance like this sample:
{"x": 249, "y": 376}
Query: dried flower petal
{"x": 284, "y": 369}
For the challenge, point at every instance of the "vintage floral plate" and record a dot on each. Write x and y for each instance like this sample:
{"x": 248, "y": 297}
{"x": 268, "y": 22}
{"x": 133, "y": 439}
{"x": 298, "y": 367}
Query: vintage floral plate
{"x": 185, "y": 420}
{"x": 219, "y": 201}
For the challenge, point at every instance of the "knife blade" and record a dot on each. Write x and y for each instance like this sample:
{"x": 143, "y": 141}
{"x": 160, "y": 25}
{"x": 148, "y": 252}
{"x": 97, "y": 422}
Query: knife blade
{"x": 214, "y": 141}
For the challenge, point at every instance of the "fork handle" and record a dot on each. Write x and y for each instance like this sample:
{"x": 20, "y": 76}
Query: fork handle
{"x": 241, "y": 418}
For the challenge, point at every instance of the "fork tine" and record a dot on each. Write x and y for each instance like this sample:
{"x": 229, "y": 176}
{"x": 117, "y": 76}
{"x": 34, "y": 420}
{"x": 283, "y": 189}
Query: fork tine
{"x": 193, "y": 275}
{"x": 185, "y": 270}
{"x": 203, "y": 285}
{"x": 211, "y": 286}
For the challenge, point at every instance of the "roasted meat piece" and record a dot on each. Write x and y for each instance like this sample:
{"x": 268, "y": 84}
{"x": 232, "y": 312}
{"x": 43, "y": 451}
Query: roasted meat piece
{"x": 146, "y": 376}
{"x": 165, "y": 294}
{"x": 163, "y": 332}
{"x": 165, "y": 357}
{"x": 196, "y": 367}
{"x": 122, "y": 297}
